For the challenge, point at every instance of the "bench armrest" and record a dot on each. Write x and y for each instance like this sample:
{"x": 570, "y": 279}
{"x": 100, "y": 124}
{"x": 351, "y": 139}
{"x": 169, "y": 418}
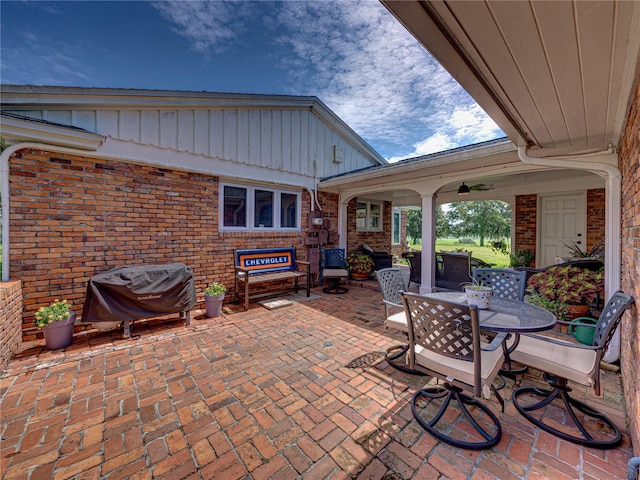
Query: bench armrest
{"x": 303, "y": 263}
{"x": 241, "y": 270}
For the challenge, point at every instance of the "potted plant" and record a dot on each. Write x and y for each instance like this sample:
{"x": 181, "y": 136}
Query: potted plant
{"x": 360, "y": 265}
{"x": 477, "y": 294}
{"x": 56, "y": 322}
{"x": 574, "y": 286}
{"x": 213, "y": 298}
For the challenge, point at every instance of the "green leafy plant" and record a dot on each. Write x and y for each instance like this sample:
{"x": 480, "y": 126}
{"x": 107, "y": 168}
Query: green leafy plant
{"x": 560, "y": 310}
{"x": 476, "y": 285}
{"x": 597, "y": 251}
{"x": 360, "y": 263}
{"x": 568, "y": 284}
{"x": 58, "y": 310}
{"x": 521, "y": 258}
{"x": 215, "y": 289}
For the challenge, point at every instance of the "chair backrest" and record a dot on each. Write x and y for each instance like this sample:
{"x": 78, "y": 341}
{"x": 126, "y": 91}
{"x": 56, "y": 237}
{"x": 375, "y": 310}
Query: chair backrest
{"x": 391, "y": 284}
{"x": 335, "y": 258}
{"x": 415, "y": 266}
{"x": 445, "y": 328}
{"x": 609, "y": 319}
{"x": 504, "y": 282}
{"x": 456, "y": 269}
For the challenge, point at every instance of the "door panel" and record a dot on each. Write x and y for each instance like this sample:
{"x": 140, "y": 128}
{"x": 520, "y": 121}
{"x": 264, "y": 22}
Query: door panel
{"x": 562, "y": 219}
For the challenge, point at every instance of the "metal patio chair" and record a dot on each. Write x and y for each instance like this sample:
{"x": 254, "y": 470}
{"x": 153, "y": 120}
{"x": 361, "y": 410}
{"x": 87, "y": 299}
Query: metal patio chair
{"x": 504, "y": 282}
{"x": 335, "y": 269}
{"x": 563, "y": 361}
{"x": 391, "y": 283}
{"x": 444, "y": 341}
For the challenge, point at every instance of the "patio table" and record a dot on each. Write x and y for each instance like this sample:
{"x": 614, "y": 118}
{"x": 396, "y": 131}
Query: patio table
{"x": 506, "y": 315}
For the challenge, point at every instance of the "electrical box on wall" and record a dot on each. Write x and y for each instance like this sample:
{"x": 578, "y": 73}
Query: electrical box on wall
{"x": 314, "y": 260}
{"x": 314, "y": 222}
{"x": 338, "y": 154}
{"x": 323, "y": 236}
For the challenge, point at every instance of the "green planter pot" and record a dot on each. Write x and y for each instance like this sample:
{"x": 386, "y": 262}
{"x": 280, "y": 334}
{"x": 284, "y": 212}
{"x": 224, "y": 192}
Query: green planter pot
{"x": 59, "y": 334}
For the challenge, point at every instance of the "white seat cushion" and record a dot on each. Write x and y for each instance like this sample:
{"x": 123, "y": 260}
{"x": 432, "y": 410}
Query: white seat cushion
{"x": 335, "y": 272}
{"x": 459, "y": 369}
{"x": 574, "y": 364}
{"x": 397, "y": 321}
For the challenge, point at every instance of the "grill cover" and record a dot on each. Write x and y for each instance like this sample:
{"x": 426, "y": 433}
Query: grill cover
{"x": 140, "y": 291}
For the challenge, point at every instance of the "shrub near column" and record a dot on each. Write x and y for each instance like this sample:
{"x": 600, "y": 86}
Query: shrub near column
{"x": 213, "y": 298}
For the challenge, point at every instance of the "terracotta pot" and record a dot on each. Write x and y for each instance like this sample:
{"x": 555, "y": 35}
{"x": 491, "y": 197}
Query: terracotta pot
{"x": 59, "y": 334}
{"x": 576, "y": 311}
{"x": 359, "y": 276}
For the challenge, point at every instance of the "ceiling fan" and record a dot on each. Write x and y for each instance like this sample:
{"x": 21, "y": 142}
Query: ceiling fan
{"x": 465, "y": 189}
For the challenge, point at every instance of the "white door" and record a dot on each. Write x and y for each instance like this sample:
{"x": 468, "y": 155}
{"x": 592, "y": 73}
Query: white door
{"x": 562, "y": 220}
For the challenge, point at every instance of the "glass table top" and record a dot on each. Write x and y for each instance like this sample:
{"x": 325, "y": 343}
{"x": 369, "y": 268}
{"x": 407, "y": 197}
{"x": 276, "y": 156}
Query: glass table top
{"x": 504, "y": 315}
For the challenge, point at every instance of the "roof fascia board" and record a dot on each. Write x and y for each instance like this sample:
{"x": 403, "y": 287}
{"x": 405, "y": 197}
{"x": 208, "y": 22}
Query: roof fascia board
{"x": 412, "y": 167}
{"x": 17, "y": 130}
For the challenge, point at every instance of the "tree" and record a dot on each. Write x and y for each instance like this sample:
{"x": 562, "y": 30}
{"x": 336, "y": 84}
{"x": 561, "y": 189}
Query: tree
{"x": 484, "y": 219}
{"x": 414, "y": 225}
{"x": 443, "y": 229}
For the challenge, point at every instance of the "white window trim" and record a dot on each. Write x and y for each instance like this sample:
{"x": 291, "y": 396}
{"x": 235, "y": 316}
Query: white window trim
{"x": 367, "y": 227}
{"x": 250, "y": 208}
{"x": 396, "y": 211}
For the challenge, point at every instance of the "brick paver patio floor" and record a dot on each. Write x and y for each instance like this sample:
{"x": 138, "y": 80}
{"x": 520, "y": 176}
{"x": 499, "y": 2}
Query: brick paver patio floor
{"x": 298, "y": 392}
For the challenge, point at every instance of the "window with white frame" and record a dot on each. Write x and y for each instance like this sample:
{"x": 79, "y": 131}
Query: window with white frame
{"x": 395, "y": 226}
{"x": 246, "y": 207}
{"x": 369, "y": 216}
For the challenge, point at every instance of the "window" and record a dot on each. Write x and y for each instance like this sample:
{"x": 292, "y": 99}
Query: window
{"x": 257, "y": 208}
{"x": 395, "y": 226}
{"x": 369, "y": 216}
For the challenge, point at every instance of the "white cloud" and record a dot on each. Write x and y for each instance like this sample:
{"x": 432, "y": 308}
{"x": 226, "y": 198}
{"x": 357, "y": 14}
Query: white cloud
{"x": 42, "y": 62}
{"x": 354, "y": 56}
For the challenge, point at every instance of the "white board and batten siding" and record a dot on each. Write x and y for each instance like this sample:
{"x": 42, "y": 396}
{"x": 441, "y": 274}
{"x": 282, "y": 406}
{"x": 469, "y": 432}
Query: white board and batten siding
{"x": 289, "y": 138}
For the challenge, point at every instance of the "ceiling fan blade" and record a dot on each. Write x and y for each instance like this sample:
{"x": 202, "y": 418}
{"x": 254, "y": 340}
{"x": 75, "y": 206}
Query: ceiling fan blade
{"x": 481, "y": 187}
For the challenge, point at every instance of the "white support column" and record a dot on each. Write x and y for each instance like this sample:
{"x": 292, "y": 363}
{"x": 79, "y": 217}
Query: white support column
{"x": 428, "y": 266}
{"x": 343, "y": 228}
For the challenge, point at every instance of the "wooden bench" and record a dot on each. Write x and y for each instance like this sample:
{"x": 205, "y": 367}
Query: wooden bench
{"x": 268, "y": 265}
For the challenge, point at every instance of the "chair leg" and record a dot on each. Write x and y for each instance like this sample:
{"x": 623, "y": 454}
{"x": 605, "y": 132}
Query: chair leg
{"x": 335, "y": 288}
{"x": 449, "y": 392}
{"x": 394, "y": 353}
{"x": 594, "y": 436}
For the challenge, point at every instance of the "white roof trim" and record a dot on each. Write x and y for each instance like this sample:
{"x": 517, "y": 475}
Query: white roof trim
{"x": 16, "y": 130}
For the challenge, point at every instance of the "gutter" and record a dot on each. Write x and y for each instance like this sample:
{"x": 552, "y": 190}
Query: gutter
{"x": 607, "y": 169}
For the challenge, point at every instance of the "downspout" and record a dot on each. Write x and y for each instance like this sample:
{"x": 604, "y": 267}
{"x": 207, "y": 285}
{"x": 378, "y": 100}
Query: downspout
{"x": 613, "y": 200}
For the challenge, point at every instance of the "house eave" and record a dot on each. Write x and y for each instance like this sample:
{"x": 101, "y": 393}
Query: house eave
{"x": 414, "y": 165}
{"x": 16, "y": 130}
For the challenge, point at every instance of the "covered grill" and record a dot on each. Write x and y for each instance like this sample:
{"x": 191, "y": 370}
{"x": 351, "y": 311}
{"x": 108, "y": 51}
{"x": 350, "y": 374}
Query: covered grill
{"x": 126, "y": 294}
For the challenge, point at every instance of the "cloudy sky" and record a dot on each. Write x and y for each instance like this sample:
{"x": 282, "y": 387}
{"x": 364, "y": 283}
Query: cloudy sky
{"x": 353, "y": 55}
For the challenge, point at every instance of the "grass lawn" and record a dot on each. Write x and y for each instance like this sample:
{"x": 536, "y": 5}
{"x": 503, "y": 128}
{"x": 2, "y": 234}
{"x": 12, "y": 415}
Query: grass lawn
{"x": 499, "y": 260}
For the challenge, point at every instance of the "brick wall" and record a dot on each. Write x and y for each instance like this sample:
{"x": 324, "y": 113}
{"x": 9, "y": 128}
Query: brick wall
{"x": 72, "y": 217}
{"x": 11, "y": 324}
{"x": 525, "y": 227}
{"x": 526, "y": 217}
{"x": 595, "y": 217}
{"x": 378, "y": 241}
{"x": 629, "y": 164}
